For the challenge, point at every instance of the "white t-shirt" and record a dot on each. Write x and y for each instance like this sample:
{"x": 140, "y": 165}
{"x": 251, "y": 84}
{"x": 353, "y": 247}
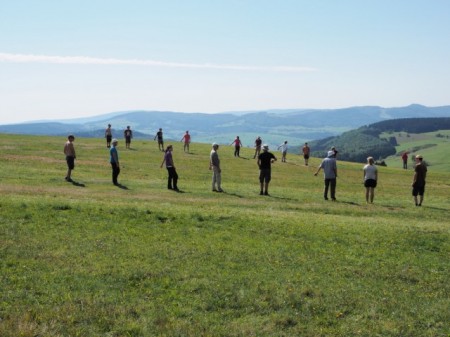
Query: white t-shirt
{"x": 370, "y": 172}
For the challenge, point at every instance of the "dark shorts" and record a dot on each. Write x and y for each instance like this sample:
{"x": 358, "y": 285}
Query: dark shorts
{"x": 160, "y": 141}
{"x": 70, "y": 162}
{"x": 370, "y": 183}
{"x": 127, "y": 140}
{"x": 418, "y": 190}
{"x": 306, "y": 156}
{"x": 265, "y": 175}
{"x": 108, "y": 139}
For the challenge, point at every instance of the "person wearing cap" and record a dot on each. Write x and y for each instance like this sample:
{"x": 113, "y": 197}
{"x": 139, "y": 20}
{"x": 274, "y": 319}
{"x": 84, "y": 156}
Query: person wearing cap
{"x": 258, "y": 142}
{"x": 128, "y": 134}
{"x": 69, "y": 151}
{"x": 306, "y": 151}
{"x": 284, "y": 148}
{"x": 114, "y": 160}
{"x": 418, "y": 184}
{"x": 370, "y": 179}
{"x": 329, "y": 167}
{"x": 265, "y": 159}
{"x": 214, "y": 165}
{"x": 187, "y": 140}
{"x": 159, "y": 135}
{"x": 237, "y": 146}
{"x": 108, "y": 136}
{"x": 173, "y": 176}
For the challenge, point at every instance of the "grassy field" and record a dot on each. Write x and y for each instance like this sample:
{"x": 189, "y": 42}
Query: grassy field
{"x": 434, "y": 146}
{"x": 92, "y": 259}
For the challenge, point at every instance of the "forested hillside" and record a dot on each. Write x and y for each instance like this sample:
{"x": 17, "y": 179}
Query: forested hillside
{"x": 357, "y": 145}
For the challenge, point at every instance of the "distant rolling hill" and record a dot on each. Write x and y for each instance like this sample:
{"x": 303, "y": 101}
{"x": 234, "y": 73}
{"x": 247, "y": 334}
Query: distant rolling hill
{"x": 274, "y": 126}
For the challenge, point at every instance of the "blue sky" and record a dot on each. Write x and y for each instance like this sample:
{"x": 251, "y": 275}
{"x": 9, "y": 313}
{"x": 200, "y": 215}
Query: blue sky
{"x": 66, "y": 59}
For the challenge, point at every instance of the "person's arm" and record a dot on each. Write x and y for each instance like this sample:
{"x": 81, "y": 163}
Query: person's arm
{"x": 164, "y": 159}
{"x": 318, "y": 170}
{"x": 414, "y": 179}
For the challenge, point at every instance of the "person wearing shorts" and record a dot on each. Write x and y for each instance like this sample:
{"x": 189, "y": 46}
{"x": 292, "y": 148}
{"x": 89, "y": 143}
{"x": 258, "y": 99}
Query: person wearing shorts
{"x": 69, "y": 151}
{"x": 187, "y": 140}
{"x": 306, "y": 150}
{"x": 108, "y": 136}
{"x": 370, "y": 179}
{"x": 159, "y": 135}
{"x": 265, "y": 160}
{"x": 418, "y": 184}
{"x": 128, "y": 134}
{"x": 258, "y": 142}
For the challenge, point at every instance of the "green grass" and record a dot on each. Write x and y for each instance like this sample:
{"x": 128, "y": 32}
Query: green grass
{"x": 96, "y": 260}
{"x": 433, "y": 148}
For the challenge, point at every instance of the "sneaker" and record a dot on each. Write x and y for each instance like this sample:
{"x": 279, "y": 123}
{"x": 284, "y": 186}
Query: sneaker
{"x": 220, "y": 190}
{"x": 266, "y": 193}
{"x": 261, "y": 193}
{"x": 214, "y": 190}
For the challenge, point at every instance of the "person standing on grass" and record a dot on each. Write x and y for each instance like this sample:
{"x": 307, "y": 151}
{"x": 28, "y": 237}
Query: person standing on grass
{"x": 265, "y": 160}
{"x": 187, "y": 140}
{"x": 114, "y": 160}
{"x": 237, "y": 146}
{"x": 330, "y": 174}
{"x": 128, "y": 134}
{"x": 214, "y": 165}
{"x": 69, "y": 151}
{"x": 370, "y": 179}
{"x": 108, "y": 136}
{"x": 258, "y": 142}
{"x": 418, "y": 184}
{"x": 284, "y": 148}
{"x": 405, "y": 160}
{"x": 306, "y": 150}
{"x": 172, "y": 180}
{"x": 159, "y": 135}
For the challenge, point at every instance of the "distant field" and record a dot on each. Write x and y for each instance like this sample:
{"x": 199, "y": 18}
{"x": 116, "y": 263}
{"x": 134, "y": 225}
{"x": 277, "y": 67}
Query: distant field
{"x": 92, "y": 259}
{"x": 434, "y": 146}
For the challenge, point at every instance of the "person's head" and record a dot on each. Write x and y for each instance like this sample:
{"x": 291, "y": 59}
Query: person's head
{"x": 169, "y": 148}
{"x": 265, "y": 147}
{"x": 285, "y": 142}
{"x": 128, "y": 127}
{"x": 160, "y": 129}
{"x": 259, "y": 137}
{"x": 187, "y": 131}
{"x": 419, "y": 157}
{"x": 306, "y": 143}
{"x": 237, "y": 137}
{"x": 370, "y": 160}
{"x": 71, "y": 138}
{"x": 331, "y": 154}
{"x": 109, "y": 125}
{"x": 215, "y": 146}
{"x": 114, "y": 142}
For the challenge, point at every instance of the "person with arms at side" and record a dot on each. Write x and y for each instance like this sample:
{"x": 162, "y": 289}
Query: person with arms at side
{"x": 128, "y": 134}
{"x": 237, "y": 146}
{"x": 405, "y": 160}
{"x": 330, "y": 174}
{"x": 187, "y": 140}
{"x": 108, "y": 136}
{"x": 172, "y": 180}
{"x": 258, "y": 143}
{"x": 306, "y": 151}
{"x": 69, "y": 151}
{"x": 370, "y": 179}
{"x": 159, "y": 136}
{"x": 418, "y": 184}
{"x": 114, "y": 160}
{"x": 265, "y": 159}
{"x": 284, "y": 148}
{"x": 214, "y": 165}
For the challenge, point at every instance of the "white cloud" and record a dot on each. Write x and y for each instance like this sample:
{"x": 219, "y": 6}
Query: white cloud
{"x": 30, "y": 58}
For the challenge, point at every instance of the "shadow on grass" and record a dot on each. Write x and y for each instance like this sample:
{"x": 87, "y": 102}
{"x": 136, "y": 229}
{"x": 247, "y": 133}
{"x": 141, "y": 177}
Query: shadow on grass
{"x": 230, "y": 194}
{"x": 123, "y": 187}
{"x": 76, "y": 183}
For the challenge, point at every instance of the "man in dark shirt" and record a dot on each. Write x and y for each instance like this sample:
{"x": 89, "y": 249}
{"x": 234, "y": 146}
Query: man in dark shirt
{"x": 418, "y": 184}
{"x": 265, "y": 160}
